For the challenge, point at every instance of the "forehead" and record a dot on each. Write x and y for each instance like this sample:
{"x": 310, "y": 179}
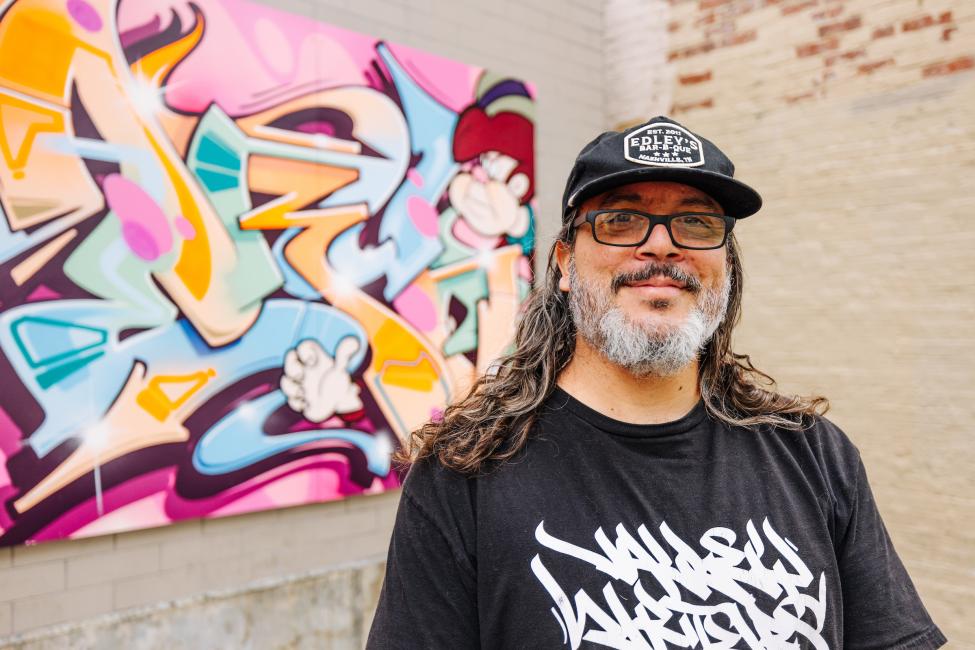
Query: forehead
{"x": 653, "y": 194}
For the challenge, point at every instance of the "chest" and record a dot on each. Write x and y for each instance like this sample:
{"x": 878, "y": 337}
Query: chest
{"x": 657, "y": 552}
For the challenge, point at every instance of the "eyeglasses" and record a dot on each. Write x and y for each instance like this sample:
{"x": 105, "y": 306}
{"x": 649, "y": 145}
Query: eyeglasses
{"x": 693, "y": 230}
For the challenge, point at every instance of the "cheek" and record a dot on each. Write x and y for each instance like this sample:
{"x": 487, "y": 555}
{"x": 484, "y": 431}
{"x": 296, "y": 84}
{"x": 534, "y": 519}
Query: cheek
{"x": 712, "y": 268}
{"x": 598, "y": 261}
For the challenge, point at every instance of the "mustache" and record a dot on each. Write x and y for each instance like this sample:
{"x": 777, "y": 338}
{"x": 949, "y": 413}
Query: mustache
{"x": 654, "y": 269}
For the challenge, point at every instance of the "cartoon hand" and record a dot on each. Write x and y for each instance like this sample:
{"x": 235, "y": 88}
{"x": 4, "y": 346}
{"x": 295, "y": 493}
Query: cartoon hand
{"x": 318, "y": 386}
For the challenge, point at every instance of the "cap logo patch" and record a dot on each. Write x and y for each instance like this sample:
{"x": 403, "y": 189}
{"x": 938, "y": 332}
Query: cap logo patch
{"x": 663, "y": 144}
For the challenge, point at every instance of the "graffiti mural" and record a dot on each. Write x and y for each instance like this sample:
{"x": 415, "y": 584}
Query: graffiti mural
{"x": 242, "y": 254}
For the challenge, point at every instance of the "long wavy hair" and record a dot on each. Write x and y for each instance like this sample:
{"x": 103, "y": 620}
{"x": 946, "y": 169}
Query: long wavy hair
{"x": 492, "y": 423}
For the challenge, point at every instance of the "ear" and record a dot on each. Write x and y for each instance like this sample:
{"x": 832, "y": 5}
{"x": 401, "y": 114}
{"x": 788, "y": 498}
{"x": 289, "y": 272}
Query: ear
{"x": 563, "y": 252}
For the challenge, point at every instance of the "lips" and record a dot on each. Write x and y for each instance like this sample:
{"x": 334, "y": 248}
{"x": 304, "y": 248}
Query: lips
{"x": 658, "y": 283}
{"x": 659, "y": 277}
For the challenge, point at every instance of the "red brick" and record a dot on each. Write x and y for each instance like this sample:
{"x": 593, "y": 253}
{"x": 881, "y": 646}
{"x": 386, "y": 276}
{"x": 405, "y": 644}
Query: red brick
{"x": 847, "y": 56}
{"x": 798, "y": 6}
{"x": 792, "y": 99}
{"x": 868, "y": 68}
{"x": 832, "y": 12}
{"x": 883, "y": 32}
{"x": 844, "y": 26}
{"x": 949, "y": 67}
{"x": 739, "y": 38}
{"x": 706, "y": 19}
{"x": 947, "y": 32}
{"x": 926, "y": 20}
{"x": 692, "y": 50}
{"x": 917, "y": 23}
{"x": 683, "y": 108}
{"x": 690, "y": 79}
{"x": 711, "y": 4}
{"x": 812, "y": 49}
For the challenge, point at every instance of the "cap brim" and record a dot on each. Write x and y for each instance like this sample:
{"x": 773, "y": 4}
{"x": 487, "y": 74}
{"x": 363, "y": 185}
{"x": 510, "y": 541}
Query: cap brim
{"x": 737, "y": 199}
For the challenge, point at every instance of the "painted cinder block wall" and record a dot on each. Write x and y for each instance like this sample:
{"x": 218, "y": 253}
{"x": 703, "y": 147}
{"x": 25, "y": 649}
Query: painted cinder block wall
{"x": 157, "y": 586}
{"x": 854, "y": 119}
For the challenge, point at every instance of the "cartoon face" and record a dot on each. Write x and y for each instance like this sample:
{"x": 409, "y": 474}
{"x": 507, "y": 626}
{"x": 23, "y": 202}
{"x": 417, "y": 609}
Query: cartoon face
{"x": 488, "y": 194}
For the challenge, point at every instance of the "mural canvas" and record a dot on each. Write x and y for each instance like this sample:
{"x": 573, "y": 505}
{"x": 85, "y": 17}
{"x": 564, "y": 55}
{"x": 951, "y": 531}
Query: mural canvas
{"x": 242, "y": 254}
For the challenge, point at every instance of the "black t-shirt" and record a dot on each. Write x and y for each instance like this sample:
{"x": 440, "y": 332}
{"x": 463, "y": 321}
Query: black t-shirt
{"x": 690, "y": 534}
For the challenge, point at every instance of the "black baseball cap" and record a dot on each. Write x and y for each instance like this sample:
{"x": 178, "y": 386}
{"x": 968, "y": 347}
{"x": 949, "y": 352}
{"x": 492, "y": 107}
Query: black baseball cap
{"x": 657, "y": 150}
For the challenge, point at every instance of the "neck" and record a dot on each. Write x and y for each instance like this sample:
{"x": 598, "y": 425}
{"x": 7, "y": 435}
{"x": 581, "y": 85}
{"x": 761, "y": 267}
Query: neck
{"x": 615, "y": 392}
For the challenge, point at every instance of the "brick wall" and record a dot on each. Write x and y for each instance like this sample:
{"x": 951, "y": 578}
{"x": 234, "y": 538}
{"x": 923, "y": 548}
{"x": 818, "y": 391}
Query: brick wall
{"x": 854, "y": 119}
{"x": 556, "y": 46}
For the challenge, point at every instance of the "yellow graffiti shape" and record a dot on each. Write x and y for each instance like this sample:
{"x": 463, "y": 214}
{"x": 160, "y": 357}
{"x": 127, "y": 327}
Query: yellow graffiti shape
{"x": 29, "y": 168}
{"x": 124, "y": 429}
{"x": 166, "y": 393}
{"x": 20, "y": 122}
{"x": 155, "y": 66}
{"x": 394, "y": 346}
{"x": 36, "y": 48}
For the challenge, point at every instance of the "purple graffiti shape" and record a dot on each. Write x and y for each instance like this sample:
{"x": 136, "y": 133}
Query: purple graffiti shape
{"x": 85, "y": 15}
{"x": 414, "y": 305}
{"x": 144, "y": 226}
{"x": 423, "y": 215}
{"x": 185, "y": 228}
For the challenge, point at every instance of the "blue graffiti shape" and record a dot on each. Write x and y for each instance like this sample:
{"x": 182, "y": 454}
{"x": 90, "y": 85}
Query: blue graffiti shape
{"x": 431, "y": 128}
{"x": 236, "y": 441}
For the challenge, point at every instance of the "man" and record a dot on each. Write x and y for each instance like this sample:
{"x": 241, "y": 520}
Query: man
{"x": 624, "y": 479}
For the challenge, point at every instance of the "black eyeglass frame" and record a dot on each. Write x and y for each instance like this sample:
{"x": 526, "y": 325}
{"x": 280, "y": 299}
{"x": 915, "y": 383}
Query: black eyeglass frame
{"x": 654, "y": 219}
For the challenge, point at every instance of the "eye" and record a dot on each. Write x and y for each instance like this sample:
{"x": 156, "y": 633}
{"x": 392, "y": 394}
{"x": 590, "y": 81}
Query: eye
{"x": 700, "y": 221}
{"x": 619, "y": 218}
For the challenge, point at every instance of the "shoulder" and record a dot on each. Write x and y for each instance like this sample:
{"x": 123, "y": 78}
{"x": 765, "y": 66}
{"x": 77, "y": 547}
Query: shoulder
{"x": 443, "y": 497}
{"x": 838, "y": 457}
{"x": 428, "y": 481}
{"x": 825, "y": 450}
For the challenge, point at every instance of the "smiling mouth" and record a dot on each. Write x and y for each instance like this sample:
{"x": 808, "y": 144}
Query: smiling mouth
{"x": 657, "y": 276}
{"x": 656, "y": 285}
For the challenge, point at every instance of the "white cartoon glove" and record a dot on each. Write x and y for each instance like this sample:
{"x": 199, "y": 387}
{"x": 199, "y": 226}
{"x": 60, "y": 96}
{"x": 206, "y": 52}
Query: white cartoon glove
{"x": 318, "y": 386}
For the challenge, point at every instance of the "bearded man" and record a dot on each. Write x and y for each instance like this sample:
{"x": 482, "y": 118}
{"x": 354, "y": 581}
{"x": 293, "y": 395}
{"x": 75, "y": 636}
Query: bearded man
{"x": 623, "y": 479}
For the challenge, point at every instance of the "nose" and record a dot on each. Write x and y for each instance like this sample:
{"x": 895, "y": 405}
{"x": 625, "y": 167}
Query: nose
{"x": 658, "y": 245}
{"x": 479, "y": 174}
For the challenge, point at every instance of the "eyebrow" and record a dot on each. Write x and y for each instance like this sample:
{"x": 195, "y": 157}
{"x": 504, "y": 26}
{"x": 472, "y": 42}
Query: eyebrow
{"x": 686, "y": 202}
{"x": 700, "y": 201}
{"x": 619, "y": 197}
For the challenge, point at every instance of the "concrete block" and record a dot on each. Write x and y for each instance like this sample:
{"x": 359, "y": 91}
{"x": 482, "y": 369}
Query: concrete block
{"x": 46, "y": 551}
{"x": 69, "y": 605}
{"x": 200, "y": 549}
{"x": 6, "y": 619}
{"x": 107, "y": 567}
{"x": 158, "y": 587}
{"x": 31, "y": 580}
{"x": 179, "y": 530}
{"x": 251, "y": 521}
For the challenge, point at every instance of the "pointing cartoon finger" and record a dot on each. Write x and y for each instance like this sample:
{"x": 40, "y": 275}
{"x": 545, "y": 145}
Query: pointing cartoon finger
{"x": 292, "y": 366}
{"x": 345, "y": 350}
{"x": 310, "y": 352}
{"x": 290, "y": 387}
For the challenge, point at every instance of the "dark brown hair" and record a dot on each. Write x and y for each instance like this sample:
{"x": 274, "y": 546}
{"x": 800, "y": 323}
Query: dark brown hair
{"x": 493, "y": 421}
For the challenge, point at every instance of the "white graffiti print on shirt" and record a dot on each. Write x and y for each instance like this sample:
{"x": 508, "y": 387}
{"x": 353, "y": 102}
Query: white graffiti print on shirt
{"x": 724, "y": 569}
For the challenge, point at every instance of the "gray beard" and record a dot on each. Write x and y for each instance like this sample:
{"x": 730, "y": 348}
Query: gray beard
{"x": 648, "y": 347}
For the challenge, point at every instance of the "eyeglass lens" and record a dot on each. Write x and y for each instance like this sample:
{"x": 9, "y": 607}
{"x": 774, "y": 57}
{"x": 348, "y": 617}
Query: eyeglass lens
{"x": 629, "y": 228}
